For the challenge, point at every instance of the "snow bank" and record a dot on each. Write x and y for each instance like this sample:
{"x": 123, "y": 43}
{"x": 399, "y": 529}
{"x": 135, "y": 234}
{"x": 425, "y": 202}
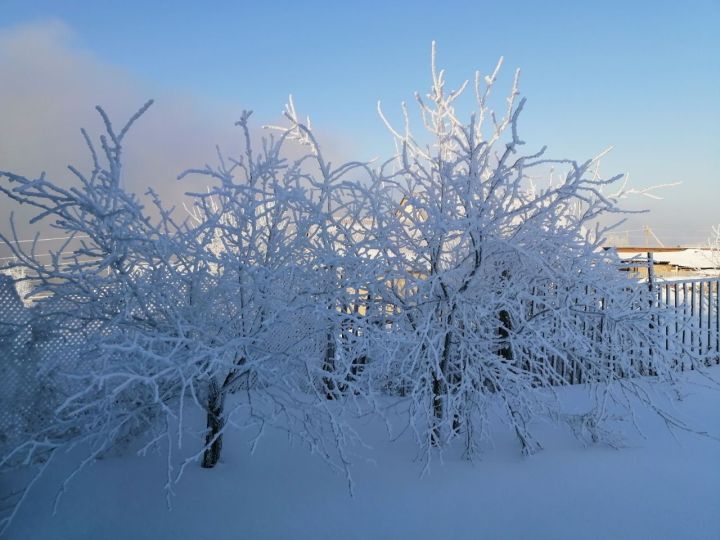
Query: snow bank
{"x": 659, "y": 487}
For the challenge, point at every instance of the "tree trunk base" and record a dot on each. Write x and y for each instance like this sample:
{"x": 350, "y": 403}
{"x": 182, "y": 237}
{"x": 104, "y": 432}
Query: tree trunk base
{"x": 214, "y": 437}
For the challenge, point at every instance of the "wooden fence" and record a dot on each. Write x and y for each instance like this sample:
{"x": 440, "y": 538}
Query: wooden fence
{"x": 695, "y": 300}
{"x": 698, "y": 299}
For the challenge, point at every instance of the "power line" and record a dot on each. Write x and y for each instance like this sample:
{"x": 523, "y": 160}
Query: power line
{"x": 48, "y": 239}
{"x": 40, "y": 255}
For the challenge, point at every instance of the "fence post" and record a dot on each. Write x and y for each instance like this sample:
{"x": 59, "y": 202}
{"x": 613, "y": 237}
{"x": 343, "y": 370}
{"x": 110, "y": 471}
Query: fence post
{"x": 651, "y": 270}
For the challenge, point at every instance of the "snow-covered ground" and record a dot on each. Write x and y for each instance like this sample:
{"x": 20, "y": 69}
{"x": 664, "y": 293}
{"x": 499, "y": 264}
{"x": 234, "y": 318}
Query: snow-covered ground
{"x": 663, "y": 486}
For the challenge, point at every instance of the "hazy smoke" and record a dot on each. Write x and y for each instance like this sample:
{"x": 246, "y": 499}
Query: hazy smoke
{"x": 50, "y": 86}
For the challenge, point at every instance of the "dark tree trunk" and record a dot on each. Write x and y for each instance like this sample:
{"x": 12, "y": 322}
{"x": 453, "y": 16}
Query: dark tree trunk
{"x": 505, "y": 327}
{"x": 329, "y": 367}
{"x": 215, "y": 424}
{"x": 504, "y": 333}
{"x": 457, "y": 424}
{"x": 440, "y": 390}
{"x": 438, "y": 397}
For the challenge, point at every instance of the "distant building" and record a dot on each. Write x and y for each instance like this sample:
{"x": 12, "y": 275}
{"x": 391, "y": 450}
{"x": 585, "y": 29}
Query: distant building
{"x": 670, "y": 261}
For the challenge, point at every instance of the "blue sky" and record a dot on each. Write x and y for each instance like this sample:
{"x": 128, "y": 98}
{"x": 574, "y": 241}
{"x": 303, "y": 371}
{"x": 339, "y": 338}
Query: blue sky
{"x": 642, "y": 76}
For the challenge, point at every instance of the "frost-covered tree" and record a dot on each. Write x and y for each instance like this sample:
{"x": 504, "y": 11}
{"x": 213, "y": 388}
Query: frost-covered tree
{"x": 337, "y": 224}
{"x": 714, "y": 245}
{"x": 282, "y": 245}
{"x": 496, "y": 270}
{"x": 149, "y": 316}
{"x": 118, "y": 306}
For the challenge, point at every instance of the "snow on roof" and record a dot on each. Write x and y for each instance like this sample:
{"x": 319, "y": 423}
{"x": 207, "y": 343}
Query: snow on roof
{"x": 693, "y": 258}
